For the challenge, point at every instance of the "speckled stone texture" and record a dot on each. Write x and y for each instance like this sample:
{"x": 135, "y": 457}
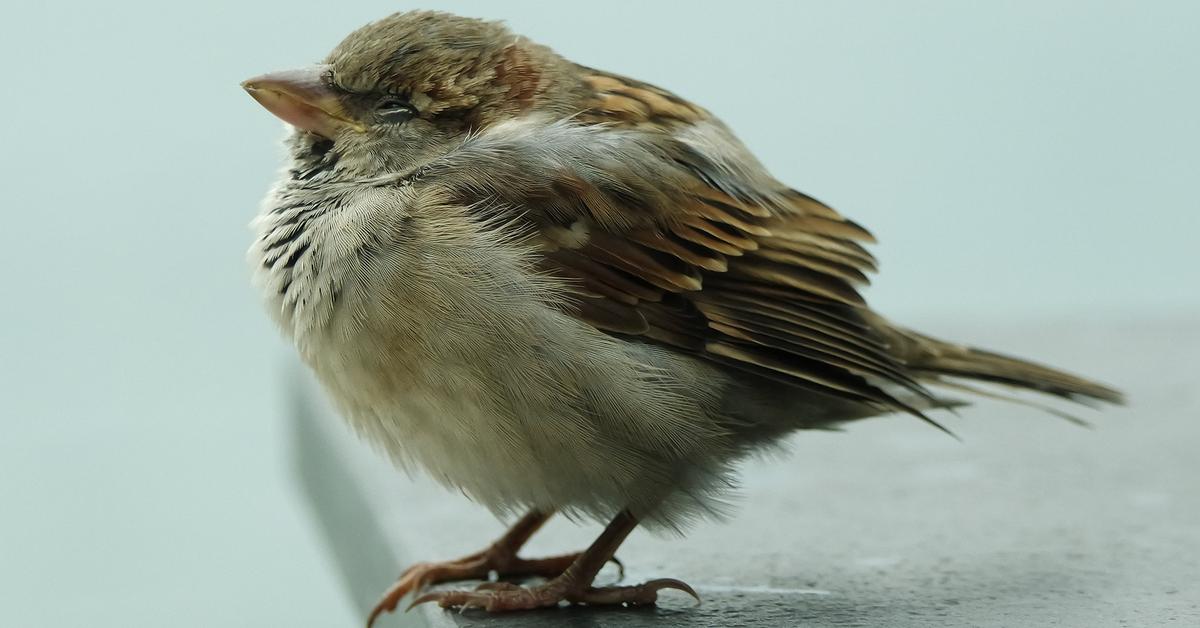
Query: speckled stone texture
{"x": 1030, "y": 521}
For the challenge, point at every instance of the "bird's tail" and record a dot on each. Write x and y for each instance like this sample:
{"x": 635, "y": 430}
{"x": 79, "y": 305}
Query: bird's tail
{"x": 946, "y": 364}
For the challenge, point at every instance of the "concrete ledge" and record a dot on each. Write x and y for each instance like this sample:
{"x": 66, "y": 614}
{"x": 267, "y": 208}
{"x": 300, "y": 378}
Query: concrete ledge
{"x": 1030, "y": 522}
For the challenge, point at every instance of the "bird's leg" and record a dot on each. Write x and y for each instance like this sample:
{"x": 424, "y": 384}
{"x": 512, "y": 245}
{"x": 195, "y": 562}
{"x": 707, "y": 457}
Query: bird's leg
{"x": 574, "y": 585}
{"x": 500, "y": 557}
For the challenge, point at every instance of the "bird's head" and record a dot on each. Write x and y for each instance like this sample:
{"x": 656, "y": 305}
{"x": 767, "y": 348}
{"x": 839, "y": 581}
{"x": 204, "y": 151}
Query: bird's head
{"x": 401, "y": 91}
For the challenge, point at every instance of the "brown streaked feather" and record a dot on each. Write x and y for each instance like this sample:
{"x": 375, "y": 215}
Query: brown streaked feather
{"x": 739, "y": 242}
{"x": 806, "y": 371}
{"x": 787, "y": 299}
{"x": 790, "y": 332}
{"x": 627, "y": 287}
{"x": 597, "y": 281}
{"x": 667, "y": 229}
{"x": 749, "y": 333}
{"x": 809, "y": 205}
{"x": 821, "y": 375}
{"x": 811, "y": 346}
{"x": 809, "y": 225}
{"x": 681, "y": 238}
{"x": 625, "y": 107}
{"x": 664, "y": 271}
{"x": 709, "y": 260}
{"x": 609, "y": 315}
{"x": 770, "y": 267}
{"x": 794, "y": 316}
{"x": 728, "y": 214}
{"x": 845, "y": 251}
{"x": 799, "y": 277}
{"x": 820, "y": 263}
{"x": 698, "y": 237}
{"x": 654, "y": 101}
{"x": 721, "y": 199}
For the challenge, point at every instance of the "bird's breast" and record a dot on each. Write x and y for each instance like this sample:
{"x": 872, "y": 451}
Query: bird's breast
{"x": 429, "y": 332}
{"x": 439, "y": 341}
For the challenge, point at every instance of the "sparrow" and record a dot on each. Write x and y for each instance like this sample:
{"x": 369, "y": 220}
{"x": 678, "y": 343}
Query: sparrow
{"x": 561, "y": 290}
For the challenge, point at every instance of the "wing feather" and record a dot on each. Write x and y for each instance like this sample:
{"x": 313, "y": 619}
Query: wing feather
{"x": 672, "y": 232}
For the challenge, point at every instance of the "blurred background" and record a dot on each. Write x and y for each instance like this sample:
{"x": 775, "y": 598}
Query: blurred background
{"x": 1018, "y": 161}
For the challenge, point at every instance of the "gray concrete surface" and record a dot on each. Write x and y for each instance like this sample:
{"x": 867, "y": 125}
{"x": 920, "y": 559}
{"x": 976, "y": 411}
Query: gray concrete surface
{"x": 1030, "y": 521}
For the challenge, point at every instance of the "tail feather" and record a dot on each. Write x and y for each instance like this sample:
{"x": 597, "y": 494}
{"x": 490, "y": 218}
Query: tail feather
{"x": 941, "y": 382}
{"x": 936, "y": 359}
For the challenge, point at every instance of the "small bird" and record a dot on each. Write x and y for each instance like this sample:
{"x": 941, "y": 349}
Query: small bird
{"x": 561, "y": 290}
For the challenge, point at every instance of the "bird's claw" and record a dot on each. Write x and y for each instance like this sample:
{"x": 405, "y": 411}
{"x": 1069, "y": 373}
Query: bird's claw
{"x": 506, "y": 596}
{"x": 419, "y": 576}
{"x": 495, "y": 597}
{"x": 499, "y": 585}
{"x": 636, "y": 595}
{"x": 620, "y": 567}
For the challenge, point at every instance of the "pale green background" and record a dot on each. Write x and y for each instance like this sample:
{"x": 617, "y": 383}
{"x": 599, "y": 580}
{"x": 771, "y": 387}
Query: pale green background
{"x": 1017, "y": 160}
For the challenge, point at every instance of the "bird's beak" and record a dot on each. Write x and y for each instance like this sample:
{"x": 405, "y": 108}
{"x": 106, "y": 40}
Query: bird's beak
{"x": 302, "y": 99}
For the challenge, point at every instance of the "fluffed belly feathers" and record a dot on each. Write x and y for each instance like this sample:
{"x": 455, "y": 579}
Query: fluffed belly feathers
{"x": 444, "y": 348}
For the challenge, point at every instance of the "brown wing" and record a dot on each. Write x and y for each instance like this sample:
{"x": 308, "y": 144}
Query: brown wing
{"x": 680, "y": 237}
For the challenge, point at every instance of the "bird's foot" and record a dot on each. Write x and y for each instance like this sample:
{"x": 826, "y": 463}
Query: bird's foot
{"x": 506, "y": 596}
{"x": 478, "y": 566}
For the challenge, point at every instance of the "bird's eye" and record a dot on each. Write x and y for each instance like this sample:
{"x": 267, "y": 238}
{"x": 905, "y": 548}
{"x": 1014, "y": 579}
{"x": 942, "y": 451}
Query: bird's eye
{"x": 393, "y": 109}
